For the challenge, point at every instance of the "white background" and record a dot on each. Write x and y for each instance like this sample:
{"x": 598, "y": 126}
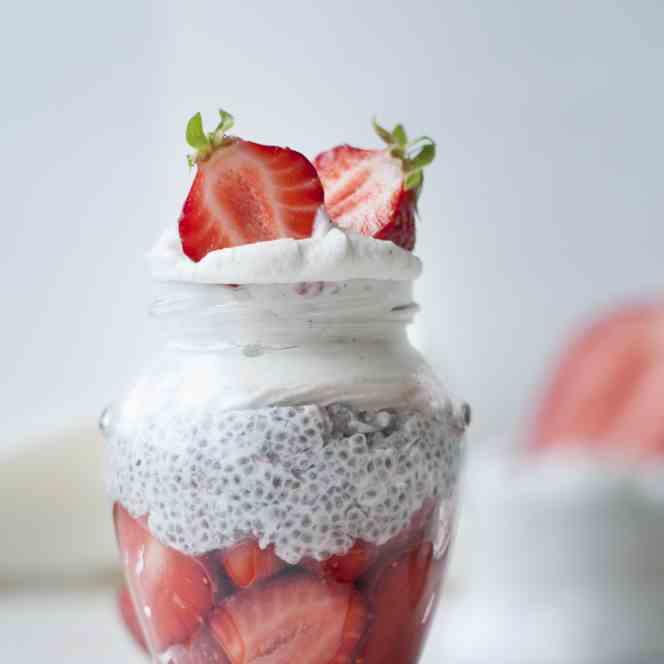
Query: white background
{"x": 546, "y": 200}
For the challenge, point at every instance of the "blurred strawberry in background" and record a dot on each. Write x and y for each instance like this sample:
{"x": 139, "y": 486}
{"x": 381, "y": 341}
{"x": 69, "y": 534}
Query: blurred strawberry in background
{"x": 608, "y": 389}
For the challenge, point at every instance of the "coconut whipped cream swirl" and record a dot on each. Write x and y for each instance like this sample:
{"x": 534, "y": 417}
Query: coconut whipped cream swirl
{"x": 330, "y": 254}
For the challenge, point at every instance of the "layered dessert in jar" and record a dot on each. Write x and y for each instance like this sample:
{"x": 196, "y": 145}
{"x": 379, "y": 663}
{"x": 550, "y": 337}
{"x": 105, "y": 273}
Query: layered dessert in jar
{"x": 284, "y": 471}
{"x": 562, "y": 534}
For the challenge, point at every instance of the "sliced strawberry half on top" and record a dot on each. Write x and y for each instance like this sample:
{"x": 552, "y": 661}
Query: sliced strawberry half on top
{"x": 244, "y": 192}
{"x": 246, "y": 563}
{"x": 608, "y": 391}
{"x": 296, "y": 618}
{"x": 375, "y": 192}
{"x": 171, "y": 591}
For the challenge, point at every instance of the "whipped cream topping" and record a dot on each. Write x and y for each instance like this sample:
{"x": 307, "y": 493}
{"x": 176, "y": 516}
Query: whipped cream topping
{"x": 563, "y": 561}
{"x": 330, "y": 254}
{"x": 257, "y": 345}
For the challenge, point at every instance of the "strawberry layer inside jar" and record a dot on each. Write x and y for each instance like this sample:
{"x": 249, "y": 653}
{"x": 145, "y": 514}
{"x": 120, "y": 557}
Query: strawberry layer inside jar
{"x": 244, "y": 604}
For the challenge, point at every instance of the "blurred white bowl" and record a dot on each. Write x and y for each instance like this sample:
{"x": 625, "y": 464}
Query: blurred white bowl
{"x": 54, "y": 517}
{"x": 559, "y": 559}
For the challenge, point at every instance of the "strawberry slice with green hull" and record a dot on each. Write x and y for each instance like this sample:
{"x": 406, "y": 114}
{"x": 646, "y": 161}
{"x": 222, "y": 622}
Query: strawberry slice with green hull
{"x": 362, "y": 187}
{"x": 402, "y": 594}
{"x": 170, "y": 590}
{"x": 294, "y": 618}
{"x": 246, "y": 563}
{"x": 244, "y": 192}
{"x": 346, "y": 568}
{"x": 375, "y": 192}
{"x": 608, "y": 390}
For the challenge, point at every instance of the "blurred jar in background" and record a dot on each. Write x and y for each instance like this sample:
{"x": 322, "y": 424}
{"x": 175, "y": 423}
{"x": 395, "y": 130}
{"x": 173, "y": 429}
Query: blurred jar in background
{"x": 561, "y": 538}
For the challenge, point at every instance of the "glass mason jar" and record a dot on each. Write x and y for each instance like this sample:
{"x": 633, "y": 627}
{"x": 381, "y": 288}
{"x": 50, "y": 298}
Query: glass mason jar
{"x": 283, "y": 477}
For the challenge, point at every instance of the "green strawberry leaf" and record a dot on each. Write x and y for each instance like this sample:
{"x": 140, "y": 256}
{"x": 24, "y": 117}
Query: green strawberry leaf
{"x": 206, "y": 143}
{"x": 413, "y": 180}
{"x": 195, "y": 135}
{"x": 424, "y": 157}
{"x": 421, "y": 139}
{"x": 226, "y": 122}
{"x": 382, "y": 132}
{"x": 399, "y": 135}
{"x": 414, "y": 155}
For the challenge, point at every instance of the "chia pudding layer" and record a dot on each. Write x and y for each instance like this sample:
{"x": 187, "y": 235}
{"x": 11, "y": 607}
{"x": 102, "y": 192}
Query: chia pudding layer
{"x": 308, "y": 479}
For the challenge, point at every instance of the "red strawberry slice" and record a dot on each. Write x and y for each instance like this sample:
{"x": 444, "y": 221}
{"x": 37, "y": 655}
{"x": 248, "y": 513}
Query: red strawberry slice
{"x": 296, "y": 618}
{"x": 244, "y": 192}
{"x": 129, "y": 618}
{"x": 172, "y": 590}
{"x": 202, "y": 649}
{"x": 222, "y": 586}
{"x": 375, "y": 192}
{"x": 346, "y": 568}
{"x": 353, "y": 630}
{"x": 246, "y": 563}
{"x": 419, "y": 626}
{"x": 608, "y": 391}
{"x": 403, "y": 594}
{"x": 363, "y": 188}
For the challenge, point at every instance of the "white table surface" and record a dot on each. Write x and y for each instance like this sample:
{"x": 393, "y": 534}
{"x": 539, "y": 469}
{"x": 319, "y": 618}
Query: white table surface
{"x": 64, "y": 627}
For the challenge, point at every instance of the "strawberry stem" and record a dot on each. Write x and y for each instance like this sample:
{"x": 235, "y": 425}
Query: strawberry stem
{"x": 414, "y": 155}
{"x": 206, "y": 143}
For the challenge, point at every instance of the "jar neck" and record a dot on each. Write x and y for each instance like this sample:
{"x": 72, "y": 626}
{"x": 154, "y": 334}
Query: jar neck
{"x": 203, "y": 315}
